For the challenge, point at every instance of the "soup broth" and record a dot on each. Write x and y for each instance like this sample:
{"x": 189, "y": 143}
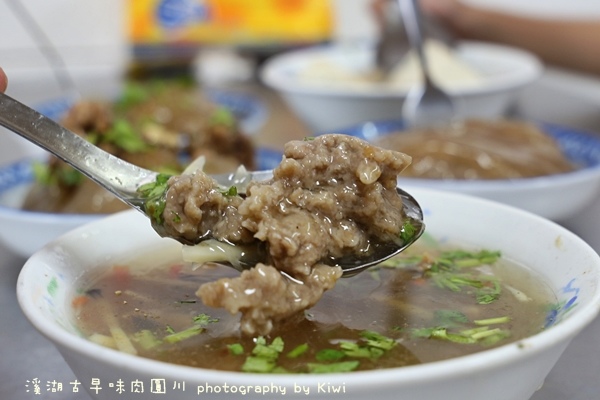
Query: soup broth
{"x": 430, "y": 303}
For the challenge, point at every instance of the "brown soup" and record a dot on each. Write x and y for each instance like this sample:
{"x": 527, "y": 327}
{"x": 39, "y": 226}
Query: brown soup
{"x": 430, "y": 303}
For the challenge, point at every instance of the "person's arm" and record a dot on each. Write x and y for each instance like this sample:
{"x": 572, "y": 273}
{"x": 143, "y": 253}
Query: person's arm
{"x": 3, "y": 81}
{"x": 572, "y": 44}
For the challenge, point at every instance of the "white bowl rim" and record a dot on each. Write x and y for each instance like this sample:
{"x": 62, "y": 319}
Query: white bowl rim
{"x": 581, "y": 175}
{"x": 447, "y": 369}
{"x": 273, "y": 73}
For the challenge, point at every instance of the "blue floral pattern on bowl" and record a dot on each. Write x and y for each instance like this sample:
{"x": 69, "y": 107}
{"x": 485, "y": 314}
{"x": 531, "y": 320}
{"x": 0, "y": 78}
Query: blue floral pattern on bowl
{"x": 569, "y": 294}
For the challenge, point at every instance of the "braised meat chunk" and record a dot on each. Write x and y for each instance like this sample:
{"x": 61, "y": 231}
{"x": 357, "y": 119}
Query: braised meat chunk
{"x": 331, "y": 196}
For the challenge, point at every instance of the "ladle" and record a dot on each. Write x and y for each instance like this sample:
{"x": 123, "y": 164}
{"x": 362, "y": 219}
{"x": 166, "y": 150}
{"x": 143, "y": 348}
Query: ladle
{"x": 123, "y": 179}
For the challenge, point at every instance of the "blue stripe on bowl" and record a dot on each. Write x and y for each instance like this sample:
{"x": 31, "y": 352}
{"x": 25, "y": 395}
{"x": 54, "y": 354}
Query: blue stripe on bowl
{"x": 16, "y": 174}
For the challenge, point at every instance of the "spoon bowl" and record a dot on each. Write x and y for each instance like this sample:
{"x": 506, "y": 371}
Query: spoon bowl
{"x": 124, "y": 179}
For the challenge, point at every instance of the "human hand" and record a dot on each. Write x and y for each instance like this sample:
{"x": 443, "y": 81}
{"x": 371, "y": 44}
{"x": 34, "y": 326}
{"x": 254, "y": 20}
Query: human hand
{"x": 3, "y": 81}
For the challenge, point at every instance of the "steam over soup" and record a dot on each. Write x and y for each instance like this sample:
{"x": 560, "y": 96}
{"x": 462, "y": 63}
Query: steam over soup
{"x": 430, "y": 303}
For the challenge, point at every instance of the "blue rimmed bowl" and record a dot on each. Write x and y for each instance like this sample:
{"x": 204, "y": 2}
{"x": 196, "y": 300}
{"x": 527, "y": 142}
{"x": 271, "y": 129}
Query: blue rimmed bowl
{"x": 557, "y": 197}
{"x": 250, "y": 111}
{"x": 23, "y": 232}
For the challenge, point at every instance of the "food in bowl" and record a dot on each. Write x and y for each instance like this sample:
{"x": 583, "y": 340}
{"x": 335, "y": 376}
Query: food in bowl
{"x": 431, "y": 303}
{"x": 542, "y": 195}
{"x": 331, "y": 198}
{"x": 159, "y": 125}
{"x": 50, "y": 278}
{"x": 479, "y": 149}
{"x": 328, "y": 106}
{"x": 447, "y": 69}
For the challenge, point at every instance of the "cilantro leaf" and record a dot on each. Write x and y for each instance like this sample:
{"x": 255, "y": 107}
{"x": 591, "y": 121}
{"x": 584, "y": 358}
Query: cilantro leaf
{"x": 123, "y": 135}
{"x": 342, "y": 366}
{"x": 236, "y": 349}
{"x": 154, "y": 193}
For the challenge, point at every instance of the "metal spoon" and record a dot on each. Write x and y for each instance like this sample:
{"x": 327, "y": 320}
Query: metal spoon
{"x": 392, "y": 45}
{"x": 425, "y": 104}
{"x": 123, "y": 179}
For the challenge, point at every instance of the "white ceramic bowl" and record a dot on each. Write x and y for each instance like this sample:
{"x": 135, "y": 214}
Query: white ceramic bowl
{"x": 24, "y": 232}
{"x": 326, "y": 107}
{"x": 513, "y": 371}
{"x": 557, "y": 197}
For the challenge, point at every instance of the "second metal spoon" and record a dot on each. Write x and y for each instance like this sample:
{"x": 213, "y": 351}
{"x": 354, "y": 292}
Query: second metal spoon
{"x": 425, "y": 104}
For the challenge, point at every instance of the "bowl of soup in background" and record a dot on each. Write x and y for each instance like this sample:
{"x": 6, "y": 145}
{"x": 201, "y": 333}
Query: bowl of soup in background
{"x": 50, "y": 278}
{"x": 25, "y": 231}
{"x": 557, "y": 196}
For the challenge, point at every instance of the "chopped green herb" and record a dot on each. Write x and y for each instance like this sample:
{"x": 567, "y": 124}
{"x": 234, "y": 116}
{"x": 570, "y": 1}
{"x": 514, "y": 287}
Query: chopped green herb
{"x": 342, "y": 366}
{"x": 200, "y": 321}
{"x": 232, "y": 191}
{"x": 270, "y": 351}
{"x": 41, "y": 173}
{"x": 169, "y": 329}
{"x": 154, "y": 193}
{"x": 407, "y": 232}
{"x": 330, "y": 355}
{"x": 146, "y": 339}
{"x": 449, "y": 318}
{"x": 204, "y": 319}
{"x": 352, "y": 349}
{"x": 444, "y": 273}
{"x": 297, "y": 351}
{"x": 184, "y": 334}
{"x": 223, "y": 117}
{"x": 236, "y": 349}
{"x": 489, "y": 294}
{"x": 156, "y": 188}
{"x": 442, "y": 333}
{"x": 264, "y": 355}
{"x": 400, "y": 262}
{"x": 377, "y": 340}
{"x": 258, "y": 364}
{"x": 123, "y": 135}
{"x": 462, "y": 258}
{"x": 496, "y": 337}
{"x": 481, "y": 334}
{"x": 133, "y": 93}
{"x": 492, "y": 321}
{"x": 69, "y": 176}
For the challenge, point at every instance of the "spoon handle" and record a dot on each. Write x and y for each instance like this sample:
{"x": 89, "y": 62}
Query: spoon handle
{"x": 112, "y": 173}
{"x": 409, "y": 9}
